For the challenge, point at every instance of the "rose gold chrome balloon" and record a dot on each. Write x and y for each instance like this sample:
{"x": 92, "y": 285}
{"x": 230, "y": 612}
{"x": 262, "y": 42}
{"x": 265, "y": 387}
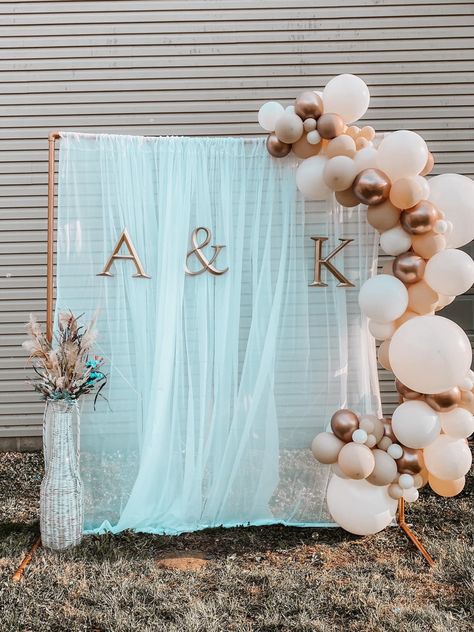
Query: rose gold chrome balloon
{"x": 409, "y": 268}
{"x": 330, "y": 126}
{"x": 343, "y": 424}
{"x": 276, "y": 147}
{"x": 420, "y": 218}
{"x": 406, "y": 392}
{"x": 444, "y": 402}
{"x": 387, "y": 430}
{"x": 308, "y": 105}
{"x": 411, "y": 461}
{"x": 371, "y": 187}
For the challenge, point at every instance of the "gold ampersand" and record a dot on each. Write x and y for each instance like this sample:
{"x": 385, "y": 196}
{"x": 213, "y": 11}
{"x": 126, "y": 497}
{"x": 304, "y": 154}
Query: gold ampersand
{"x": 207, "y": 264}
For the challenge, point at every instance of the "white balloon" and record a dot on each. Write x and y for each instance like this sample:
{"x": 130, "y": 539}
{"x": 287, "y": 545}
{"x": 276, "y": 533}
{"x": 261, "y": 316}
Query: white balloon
{"x": 415, "y": 424}
{"x": 457, "y": 423}
{"x": 348, "y": 96}
{"x": 444, "y": 301}
{"x": 402, "y": 154}
{"x": 395, "y": 451}
{"x": 381, "y": 331}
{"x": 309, "y": 125}
{"x": 450, "y": 272}
{"x": 383, "y": 298}
{"x": 359, "y": 436}
{"x": 366, "y": 158}
{"x": 406, "y": 481}
{"x": 309, "y": 179}
{"x": 430, "y": 354}
{"x": 453, "y": 194}
{"x": 359, "y": 507}
{"x": 448, "y": 458}
{"x": 395, "y": 241}
{"x": 269, "y": 114}
{"x": 339, "y": 173}
{"x": 411, "y": 495}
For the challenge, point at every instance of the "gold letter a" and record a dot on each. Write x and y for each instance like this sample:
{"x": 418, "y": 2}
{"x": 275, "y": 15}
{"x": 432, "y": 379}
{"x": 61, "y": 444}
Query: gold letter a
{"x": 132, "y": 256}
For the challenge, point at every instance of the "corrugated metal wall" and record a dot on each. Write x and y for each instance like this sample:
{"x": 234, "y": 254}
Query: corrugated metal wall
{"x": 201, "y": 67}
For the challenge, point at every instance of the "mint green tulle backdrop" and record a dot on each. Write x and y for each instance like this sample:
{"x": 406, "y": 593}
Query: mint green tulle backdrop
{"x": 216, "y": 384}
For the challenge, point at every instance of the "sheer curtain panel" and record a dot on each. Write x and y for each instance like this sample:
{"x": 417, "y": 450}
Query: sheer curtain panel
{"x": 217, "y": 383}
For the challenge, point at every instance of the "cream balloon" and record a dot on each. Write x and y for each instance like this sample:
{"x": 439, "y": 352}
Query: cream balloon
{"x": 339, "y": 173}
{"x": 366, "y": 159}
{"x": 401, "y": 153}
{"x": 457, "y": 423}
{"x": 268, "y": 115}
{"x": 358, "y": 506}
{"x": 430, "y": 354}
{"x": 383, "y": 355}
{"x": 415, "y": 424}
{"x": 326, "y": 447}
{"x": 309, "y": 179}
{"x": 448, "y": 489}
{"x": 383, "y": 298}
{"x": 348, "y": 96}
{"x": 385, "y": 469}
{"x": 381, "y": 331}
{"x": 448, "y": 458}
{"x": 450, "y": 272}
{"x": 453, "y": 194}
{"x": 356, "y": 460}
{"x": 395, "y": 241}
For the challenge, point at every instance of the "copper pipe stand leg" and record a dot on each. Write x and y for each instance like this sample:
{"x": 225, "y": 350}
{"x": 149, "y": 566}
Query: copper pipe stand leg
{"x": 18, "y": 575}
{"x": 410, "y": 535}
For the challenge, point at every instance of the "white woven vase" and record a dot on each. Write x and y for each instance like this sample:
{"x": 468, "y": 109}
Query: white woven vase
{"x": 61, "y": 500}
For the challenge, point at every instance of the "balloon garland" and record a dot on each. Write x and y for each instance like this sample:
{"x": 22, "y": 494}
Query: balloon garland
{"x": 421, "y": 222}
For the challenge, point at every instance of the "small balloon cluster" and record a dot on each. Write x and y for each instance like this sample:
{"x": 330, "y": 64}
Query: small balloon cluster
{"x": 421, "y": 223}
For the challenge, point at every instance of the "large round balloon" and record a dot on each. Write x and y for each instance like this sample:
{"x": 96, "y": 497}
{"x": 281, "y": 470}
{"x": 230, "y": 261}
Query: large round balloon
{"x": 309, "y": 179}
{"x": 415, "y": 424}
{"x": 358, "y": 506}
{"x": 402, "y": 154}
{"x": 450, "y": 272}
{"x": 348, "y": 96}
{"x": 268, "y": 115}
{"x": 430, "y": 354}
{"x": 454, "y": 195}
{"x": 457, "y": 423}
{"x": 448, "y": 458}
{"x": 383, "y": 298}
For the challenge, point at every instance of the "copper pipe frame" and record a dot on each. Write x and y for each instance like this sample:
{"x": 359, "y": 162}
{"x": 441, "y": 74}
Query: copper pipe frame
{"x": 52, "y": 138}
{"x": 405, "y": 527}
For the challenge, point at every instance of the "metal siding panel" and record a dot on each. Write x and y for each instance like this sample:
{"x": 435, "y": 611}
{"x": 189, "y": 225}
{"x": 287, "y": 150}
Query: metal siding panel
{"x": 202, "y": 67}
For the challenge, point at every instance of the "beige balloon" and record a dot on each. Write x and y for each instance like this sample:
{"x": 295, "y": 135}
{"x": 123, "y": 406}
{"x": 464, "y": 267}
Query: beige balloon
{"x": 356, "y": 460}
{"x": 368, "y": 132}
{"x": 406, "y": 192}
{"x": 395, "y": 491}
{"x": 382, "y": 355}
{"x": 353, "y": 131}
{"x": 347, "y": 198}
{"x": 421, "y": 298}
{"x": 385, "y": 469}
{"x": 330, "y": 125}
{"x": 448, "y": 489}
{"x": 342, "y": 145}
{"x": 362, "y": 143}
{"x": 326, "y": 447}
{"x": 383, "y": 216}
{"x": 303, "y": 149}
{"x": 428, "y": 244}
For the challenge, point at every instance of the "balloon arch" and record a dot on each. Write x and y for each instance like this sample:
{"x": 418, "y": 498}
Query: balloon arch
{"x": 376, "y": 462}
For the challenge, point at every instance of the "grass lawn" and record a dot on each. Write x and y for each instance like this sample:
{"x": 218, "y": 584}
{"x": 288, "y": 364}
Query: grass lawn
{"x": 264, "y": 579}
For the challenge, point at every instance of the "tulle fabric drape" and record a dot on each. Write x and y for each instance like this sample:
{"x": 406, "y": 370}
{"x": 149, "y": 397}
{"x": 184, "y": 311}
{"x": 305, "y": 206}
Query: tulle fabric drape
{"x": 216, "y": 384}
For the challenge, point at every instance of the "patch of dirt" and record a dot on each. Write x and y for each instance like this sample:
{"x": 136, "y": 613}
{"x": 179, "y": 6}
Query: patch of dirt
{"x": 183, "y": 561}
